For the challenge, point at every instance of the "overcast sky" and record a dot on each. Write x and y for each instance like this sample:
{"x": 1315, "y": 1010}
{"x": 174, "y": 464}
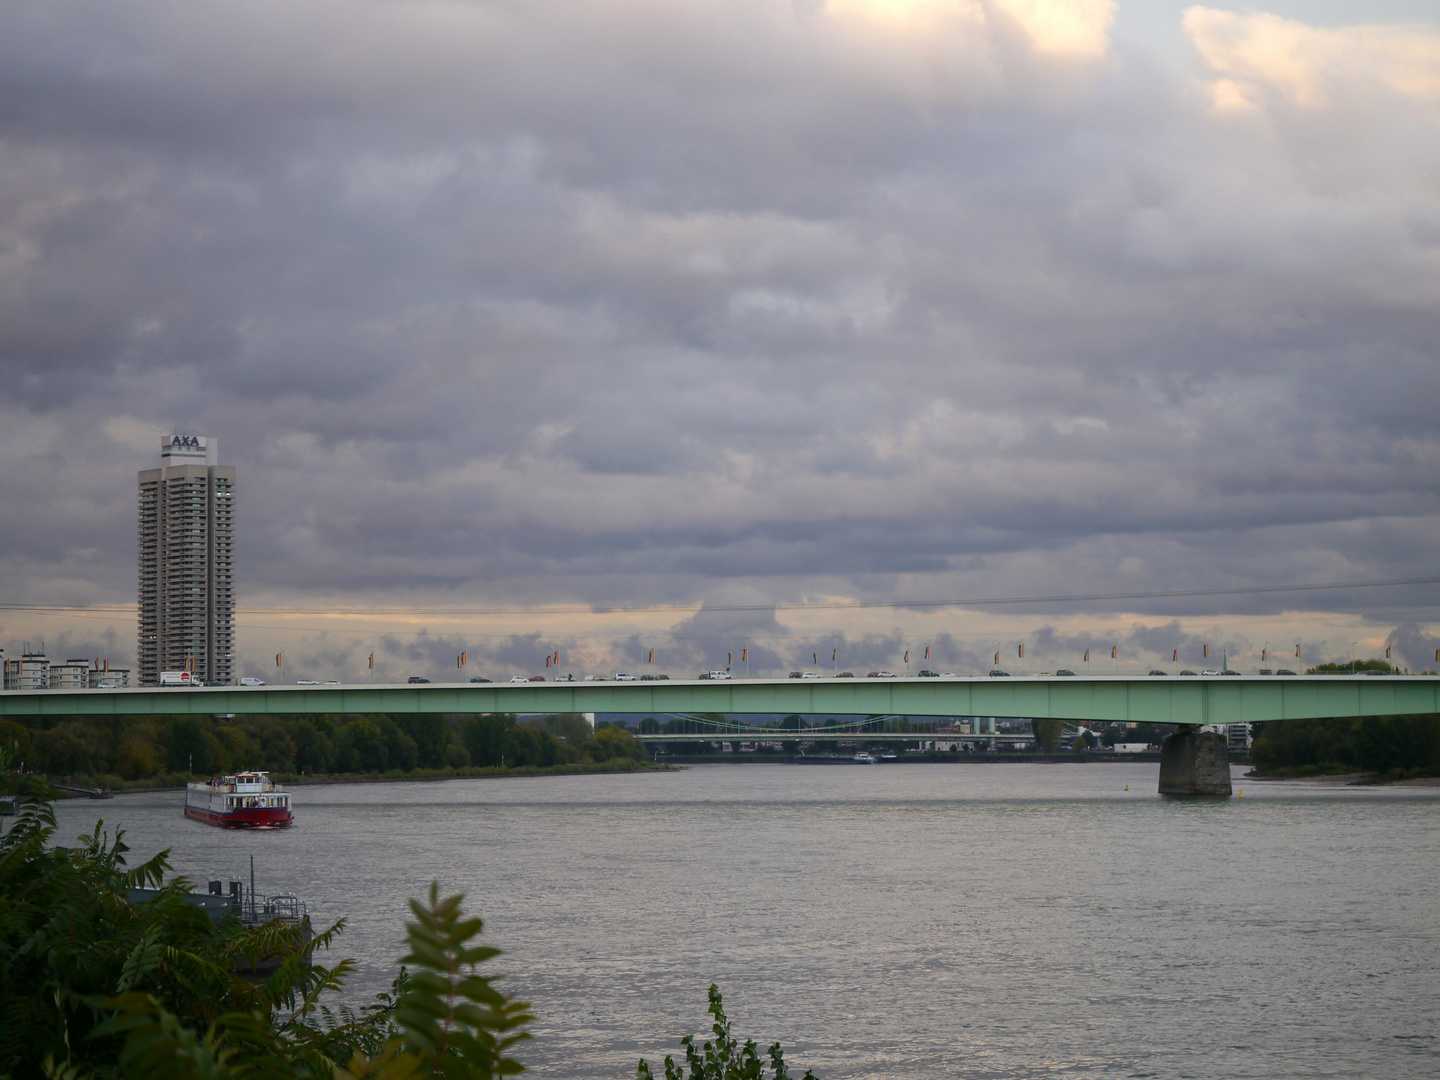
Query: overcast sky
{"x": 605, "y": 304}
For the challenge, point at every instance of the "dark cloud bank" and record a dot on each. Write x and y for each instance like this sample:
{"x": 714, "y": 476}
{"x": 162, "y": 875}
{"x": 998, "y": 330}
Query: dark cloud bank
{"x": 613, "y": 302}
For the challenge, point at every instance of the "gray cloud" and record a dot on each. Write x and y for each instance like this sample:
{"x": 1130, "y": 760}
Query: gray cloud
{"x": 610, "y": 303}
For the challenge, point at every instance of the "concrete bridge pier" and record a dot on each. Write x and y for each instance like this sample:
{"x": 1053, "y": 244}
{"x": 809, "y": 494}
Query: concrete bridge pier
{"x": 1194, "y": 762}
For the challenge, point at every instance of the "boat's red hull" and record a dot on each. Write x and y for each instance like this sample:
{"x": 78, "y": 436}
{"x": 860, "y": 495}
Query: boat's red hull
{"x": 269, "y": 817}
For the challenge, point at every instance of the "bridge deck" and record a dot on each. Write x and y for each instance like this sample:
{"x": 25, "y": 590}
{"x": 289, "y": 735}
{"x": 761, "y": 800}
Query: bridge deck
{"x": 1171, "y": 700}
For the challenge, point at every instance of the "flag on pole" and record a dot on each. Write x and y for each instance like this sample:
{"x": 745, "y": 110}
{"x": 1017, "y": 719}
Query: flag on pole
{"x": 652, "y": 656}
{"x": 815, "y": 657}
{"x": 1175, "y": 656}
{"x": 1022, "y": 650}
{"x": 927, "y": 652}
{"x": 729, "y": 659}
{"x": 372, "y": 659}
{"x": 835, "y": 652}
{"x": 997, "y": 657}
{"x": 1387, "y": 652}
{"x": 557, "y": 657}
{"x": 1114, "y": 652}
{"x": 279, "y": 657}
{"x": 745, "y": 655}
{"x": 1262, "y": 655}
{"x": 1297, "y": 650}
{"x": 1207, "y": 652}
{"x": 548, "y": 657}
{"x": 1087, "y": 656}
{"x": 907, "y": 656}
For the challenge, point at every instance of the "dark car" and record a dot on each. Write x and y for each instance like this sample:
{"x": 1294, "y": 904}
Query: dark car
{"x": 417, "y": 679}
{"x": 1229, "y": 671}
{"x": 844, "y": 675}
{"x": 929, "y": 674}
{"x": 795, "y": 675}
{"x": 479, "y": 678}
{"x": 1157, "y": 671}
{"x": 1265, "y": 671}
{"x": 1284, "y": 671}
{"x": 648, "y": 678}
{"x": 537, "y": 678}
{"x": 1065, "y": 671}
{"x": 1189, "y": 673}
{"x": 996, "y": 673}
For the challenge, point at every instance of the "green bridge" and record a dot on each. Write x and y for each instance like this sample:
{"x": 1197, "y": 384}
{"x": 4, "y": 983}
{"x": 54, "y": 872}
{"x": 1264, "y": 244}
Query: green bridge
{"x": 1198, "y": 700}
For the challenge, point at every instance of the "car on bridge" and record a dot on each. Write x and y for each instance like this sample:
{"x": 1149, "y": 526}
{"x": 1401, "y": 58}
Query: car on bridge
{"x": 928, "y": 674}
{"x": 247, "y": 681}
{"x": 1065, "y": 671}
{"x": 1209, "y": 671}
{"x": 1284, "y": 671}
{"x": 844, "y": 675}
{"x": 479, "y": 678}
{"x": 996, "y": 673}
{"x": 1157, "y": 671}
{"x": 624, "y": 676}
{"x": 880, "y": 675}
{"x": 1187, "y": 673}
{"x": 519, "y": 678}
{"x": 412, "y": 679}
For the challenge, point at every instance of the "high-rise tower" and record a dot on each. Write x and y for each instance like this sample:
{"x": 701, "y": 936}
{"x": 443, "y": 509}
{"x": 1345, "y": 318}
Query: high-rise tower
{"x": 187, "y": 594}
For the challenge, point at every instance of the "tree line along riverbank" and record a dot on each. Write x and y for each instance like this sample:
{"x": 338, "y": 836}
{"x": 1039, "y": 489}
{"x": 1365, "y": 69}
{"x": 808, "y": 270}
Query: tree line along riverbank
{"x": 124, "y": 752}
{"x": 1394, "y": 747}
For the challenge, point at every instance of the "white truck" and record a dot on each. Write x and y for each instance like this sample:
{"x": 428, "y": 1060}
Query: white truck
{"x": 178, "y": 678}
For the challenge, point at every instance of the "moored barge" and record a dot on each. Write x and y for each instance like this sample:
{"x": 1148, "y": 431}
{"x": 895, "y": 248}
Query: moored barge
{"x": 247, "y": 800}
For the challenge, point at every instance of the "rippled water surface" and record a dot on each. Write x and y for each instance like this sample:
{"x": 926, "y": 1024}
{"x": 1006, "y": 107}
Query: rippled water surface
{"x": 896, "y": 920}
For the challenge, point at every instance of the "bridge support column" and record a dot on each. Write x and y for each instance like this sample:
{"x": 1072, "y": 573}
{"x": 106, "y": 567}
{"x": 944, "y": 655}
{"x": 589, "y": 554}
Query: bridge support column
{"x": 1194, "y": 762}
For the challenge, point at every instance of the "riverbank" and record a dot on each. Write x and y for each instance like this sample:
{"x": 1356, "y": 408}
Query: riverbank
{"x": 1346, "y": 779}
{"x": 115, "y": 785}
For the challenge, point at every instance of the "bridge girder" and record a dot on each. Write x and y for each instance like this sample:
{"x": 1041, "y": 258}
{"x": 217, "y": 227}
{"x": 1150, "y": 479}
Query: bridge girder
{"x": 1173, "y": 700}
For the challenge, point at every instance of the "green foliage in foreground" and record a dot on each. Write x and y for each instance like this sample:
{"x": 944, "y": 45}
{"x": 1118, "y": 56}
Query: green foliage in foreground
{"x": 96, "y": 987}
{"x": 1382, "y": 744}
{"x": 724, "y": 1058}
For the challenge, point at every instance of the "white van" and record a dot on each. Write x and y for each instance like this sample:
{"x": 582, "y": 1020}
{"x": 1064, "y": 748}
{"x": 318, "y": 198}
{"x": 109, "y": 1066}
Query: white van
{"x": 252, "y": 682}
{"x": 719, "y": 675}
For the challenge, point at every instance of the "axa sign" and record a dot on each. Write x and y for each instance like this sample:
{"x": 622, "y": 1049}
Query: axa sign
{"x": 192, "y": 441}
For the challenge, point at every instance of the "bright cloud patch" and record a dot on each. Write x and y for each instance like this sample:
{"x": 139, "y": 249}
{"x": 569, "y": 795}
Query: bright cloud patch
{"x": 1255, "y": 53}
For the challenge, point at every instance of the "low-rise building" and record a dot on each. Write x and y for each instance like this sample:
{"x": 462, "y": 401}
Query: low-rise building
{"x": 107, "y": 677}
{"x": 71, "y": 675}
{"x": 30, "y": 672}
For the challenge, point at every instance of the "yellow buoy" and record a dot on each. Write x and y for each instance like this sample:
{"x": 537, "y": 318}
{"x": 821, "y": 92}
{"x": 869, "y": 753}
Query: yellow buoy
{"x": 1242, "y": 793}
{"x": 1127, "y": 787}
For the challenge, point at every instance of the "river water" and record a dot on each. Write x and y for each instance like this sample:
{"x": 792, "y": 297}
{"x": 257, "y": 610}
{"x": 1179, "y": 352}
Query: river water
{"x": 895, "y": 920}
